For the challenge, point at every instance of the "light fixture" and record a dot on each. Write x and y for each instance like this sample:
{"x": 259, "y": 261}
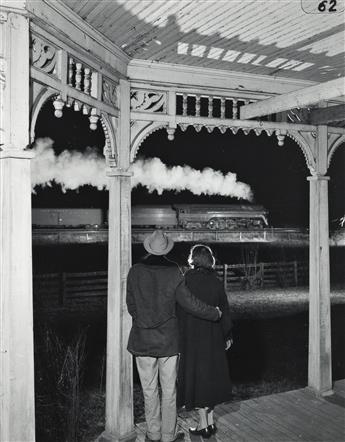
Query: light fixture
{"x": 58, "y": 104}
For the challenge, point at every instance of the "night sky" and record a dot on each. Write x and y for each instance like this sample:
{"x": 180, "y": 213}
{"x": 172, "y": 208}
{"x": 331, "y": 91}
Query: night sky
{"x": 277, "y": 175}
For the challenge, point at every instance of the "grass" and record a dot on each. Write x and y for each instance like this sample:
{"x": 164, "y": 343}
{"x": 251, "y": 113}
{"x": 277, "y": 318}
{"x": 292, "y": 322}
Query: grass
{"x": 275, "y": 302}
{"x": 269, "y": 356}
{"x": 59, "y": 375}
{"x": 93, "y": 412}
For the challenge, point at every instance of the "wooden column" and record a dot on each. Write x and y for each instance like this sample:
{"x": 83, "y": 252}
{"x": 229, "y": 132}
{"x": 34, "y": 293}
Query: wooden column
{"x": 320, "y": 352}
{"x": 17, "y": 412}
{"x": 119, "y": 383}
{"x": 16, "y": 324}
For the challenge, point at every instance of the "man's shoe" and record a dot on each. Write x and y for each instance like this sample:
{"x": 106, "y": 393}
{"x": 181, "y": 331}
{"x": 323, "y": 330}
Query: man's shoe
{"x": 212, "y": 429}
{"x": 204, "y": 432}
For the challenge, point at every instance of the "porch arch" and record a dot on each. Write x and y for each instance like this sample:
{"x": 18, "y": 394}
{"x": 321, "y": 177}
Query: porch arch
{"x": 43, "y": 96}
{"x": 110, "y": 150}
{"x": 110, "y": 147}
{"x": 140, "y": 130}
{"x": 334, "y": 146}
{"x": 305, "y": 146}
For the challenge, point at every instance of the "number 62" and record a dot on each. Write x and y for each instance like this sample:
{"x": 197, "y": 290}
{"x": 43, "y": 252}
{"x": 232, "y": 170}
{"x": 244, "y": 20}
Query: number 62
{"x": 322, "y": 7}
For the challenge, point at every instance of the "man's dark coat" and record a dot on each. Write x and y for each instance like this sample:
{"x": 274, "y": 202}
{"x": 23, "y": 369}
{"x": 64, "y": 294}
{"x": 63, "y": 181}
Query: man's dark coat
{"x": 153, "y": 288}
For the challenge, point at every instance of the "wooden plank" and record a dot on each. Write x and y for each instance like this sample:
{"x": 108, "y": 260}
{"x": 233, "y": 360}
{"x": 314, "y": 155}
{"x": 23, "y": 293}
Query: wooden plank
{"x": 228, "y": 429}
{"x": 306, "y": 399}
{"x": 265, "y": 414}
{"x": 241, "y": 422}
{"x": 80, "y": 295}
{"x": 317, "y": 409}
{"x": 339, "y": 387}
{"x": 280, "y": 416}
{"x": 327, "y": 115}
{"x": 286, "y": 418}
{"x": 85, "y": 274}
{"x": 83, "y": 282}
{"x": 248, "y": 410}
{"x": 300, "y": 98}
{"x": 46, "y": 275}
{"x": 302, "y": 423}
{"x": 89, "y": 290}
{"x": 47, "y": 287}
{"x": 86, "y": 290}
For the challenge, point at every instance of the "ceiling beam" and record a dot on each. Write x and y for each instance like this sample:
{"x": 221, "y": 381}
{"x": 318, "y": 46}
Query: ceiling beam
{"x": 300, "y": 98}
{"x": 327, "y": 115}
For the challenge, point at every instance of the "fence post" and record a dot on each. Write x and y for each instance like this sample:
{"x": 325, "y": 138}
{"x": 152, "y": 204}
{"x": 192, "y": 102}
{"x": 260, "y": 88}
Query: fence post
{"x": 296, "y": 272}
{"x": 62, "y": 288}
{"x": 225, "y": 276}
{"x": 262, "y": 271}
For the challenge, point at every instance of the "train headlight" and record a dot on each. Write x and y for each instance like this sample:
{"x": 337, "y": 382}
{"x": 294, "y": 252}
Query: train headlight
{"x": 212, "y": 224}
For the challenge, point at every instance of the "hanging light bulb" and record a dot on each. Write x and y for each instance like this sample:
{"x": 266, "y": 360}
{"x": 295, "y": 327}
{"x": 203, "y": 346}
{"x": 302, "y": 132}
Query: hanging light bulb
{"x": 93, "y": 119}
{"x": 58, "y": 104}
{"x": 69, "y": 102}
{"x": 85, "y": 109}
{"x": 76, "y": 106}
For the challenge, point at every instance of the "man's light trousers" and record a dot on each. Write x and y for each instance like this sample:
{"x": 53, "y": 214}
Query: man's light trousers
{"x": 161, "y": 418}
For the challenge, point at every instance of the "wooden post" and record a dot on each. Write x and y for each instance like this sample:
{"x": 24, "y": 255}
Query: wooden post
{"x": 295, "y": 269}
{"x": 119, "y": 425}
{"x": 262, "y": 271}
{"x": 16, "y": 324}
{"x": 320, "y": 351}
{"x": 225, "y": 276}
{"x": 62, "y": 288}
{"x": 320, "y": 359}
{"x": 17, "y": 410}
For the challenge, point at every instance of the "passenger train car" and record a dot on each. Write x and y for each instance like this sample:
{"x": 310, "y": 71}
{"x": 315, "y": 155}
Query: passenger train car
{"x": 179, "y": 216}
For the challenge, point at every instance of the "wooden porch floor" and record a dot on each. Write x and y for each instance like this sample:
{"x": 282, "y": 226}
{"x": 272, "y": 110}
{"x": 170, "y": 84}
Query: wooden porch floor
{"x": 291, "y": 416}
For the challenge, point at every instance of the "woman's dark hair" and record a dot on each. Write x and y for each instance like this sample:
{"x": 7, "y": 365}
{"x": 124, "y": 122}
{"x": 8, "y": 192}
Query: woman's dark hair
{"x": 201, "y": 256}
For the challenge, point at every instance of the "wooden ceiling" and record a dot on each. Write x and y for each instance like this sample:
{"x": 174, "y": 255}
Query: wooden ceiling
{"x": 280, "y": 38}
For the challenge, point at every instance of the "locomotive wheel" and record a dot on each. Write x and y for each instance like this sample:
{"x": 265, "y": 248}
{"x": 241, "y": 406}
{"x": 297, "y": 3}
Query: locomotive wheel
{"x": 231, "y": 224}
{"x": 190, "y": 225}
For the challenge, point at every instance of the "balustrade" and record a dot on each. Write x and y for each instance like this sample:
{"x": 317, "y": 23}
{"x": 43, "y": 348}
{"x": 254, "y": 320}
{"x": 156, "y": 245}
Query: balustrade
{"x": 78, "y": 85}
{"x": 197, "y": 105}
{"x": 82, "y": 77}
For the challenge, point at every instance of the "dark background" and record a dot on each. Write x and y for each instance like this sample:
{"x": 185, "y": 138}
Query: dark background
{"x": 277, "y": 175}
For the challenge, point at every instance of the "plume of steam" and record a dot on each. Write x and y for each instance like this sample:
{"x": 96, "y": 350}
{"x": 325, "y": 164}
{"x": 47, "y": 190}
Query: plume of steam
{"x": 70, "y": 169}
{"x": 155, "y": 175}
{"x": 73, "y": 169}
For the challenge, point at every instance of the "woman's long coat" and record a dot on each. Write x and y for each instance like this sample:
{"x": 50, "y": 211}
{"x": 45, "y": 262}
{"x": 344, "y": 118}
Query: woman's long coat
{"x": 203, "y": 379}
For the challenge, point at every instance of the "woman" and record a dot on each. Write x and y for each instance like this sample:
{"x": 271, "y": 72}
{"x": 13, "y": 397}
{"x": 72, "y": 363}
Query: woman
{"x": 203, "y": 379}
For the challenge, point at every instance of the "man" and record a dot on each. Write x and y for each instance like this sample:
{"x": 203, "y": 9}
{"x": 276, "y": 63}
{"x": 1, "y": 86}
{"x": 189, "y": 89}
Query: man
{"x": 153, "y": 288}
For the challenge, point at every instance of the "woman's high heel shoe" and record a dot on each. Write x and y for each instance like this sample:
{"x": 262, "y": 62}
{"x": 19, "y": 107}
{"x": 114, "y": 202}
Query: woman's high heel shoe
{"x": 212, "y": 429}
{"x": 204, "y": 432}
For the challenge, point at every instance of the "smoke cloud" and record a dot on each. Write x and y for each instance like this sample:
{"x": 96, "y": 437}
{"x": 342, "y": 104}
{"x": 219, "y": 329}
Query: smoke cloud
{"x": 155, "y": 175}
{"x": 73, "y": 169}
{"x": 70, "y": 169}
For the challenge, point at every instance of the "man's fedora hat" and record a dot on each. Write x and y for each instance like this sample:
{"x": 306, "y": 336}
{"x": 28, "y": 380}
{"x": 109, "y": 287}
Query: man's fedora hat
{"x": 158, "y": 243}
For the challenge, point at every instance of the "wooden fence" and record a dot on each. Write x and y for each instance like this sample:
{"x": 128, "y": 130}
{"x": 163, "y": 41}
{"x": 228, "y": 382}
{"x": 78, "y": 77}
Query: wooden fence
{"x": 63, "y": 289}
{"x": 263, "y": 274}
{"x": 70, "y": 288}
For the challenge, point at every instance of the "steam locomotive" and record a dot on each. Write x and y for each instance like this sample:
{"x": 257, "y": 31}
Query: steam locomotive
{"x": 178, "y": 216}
